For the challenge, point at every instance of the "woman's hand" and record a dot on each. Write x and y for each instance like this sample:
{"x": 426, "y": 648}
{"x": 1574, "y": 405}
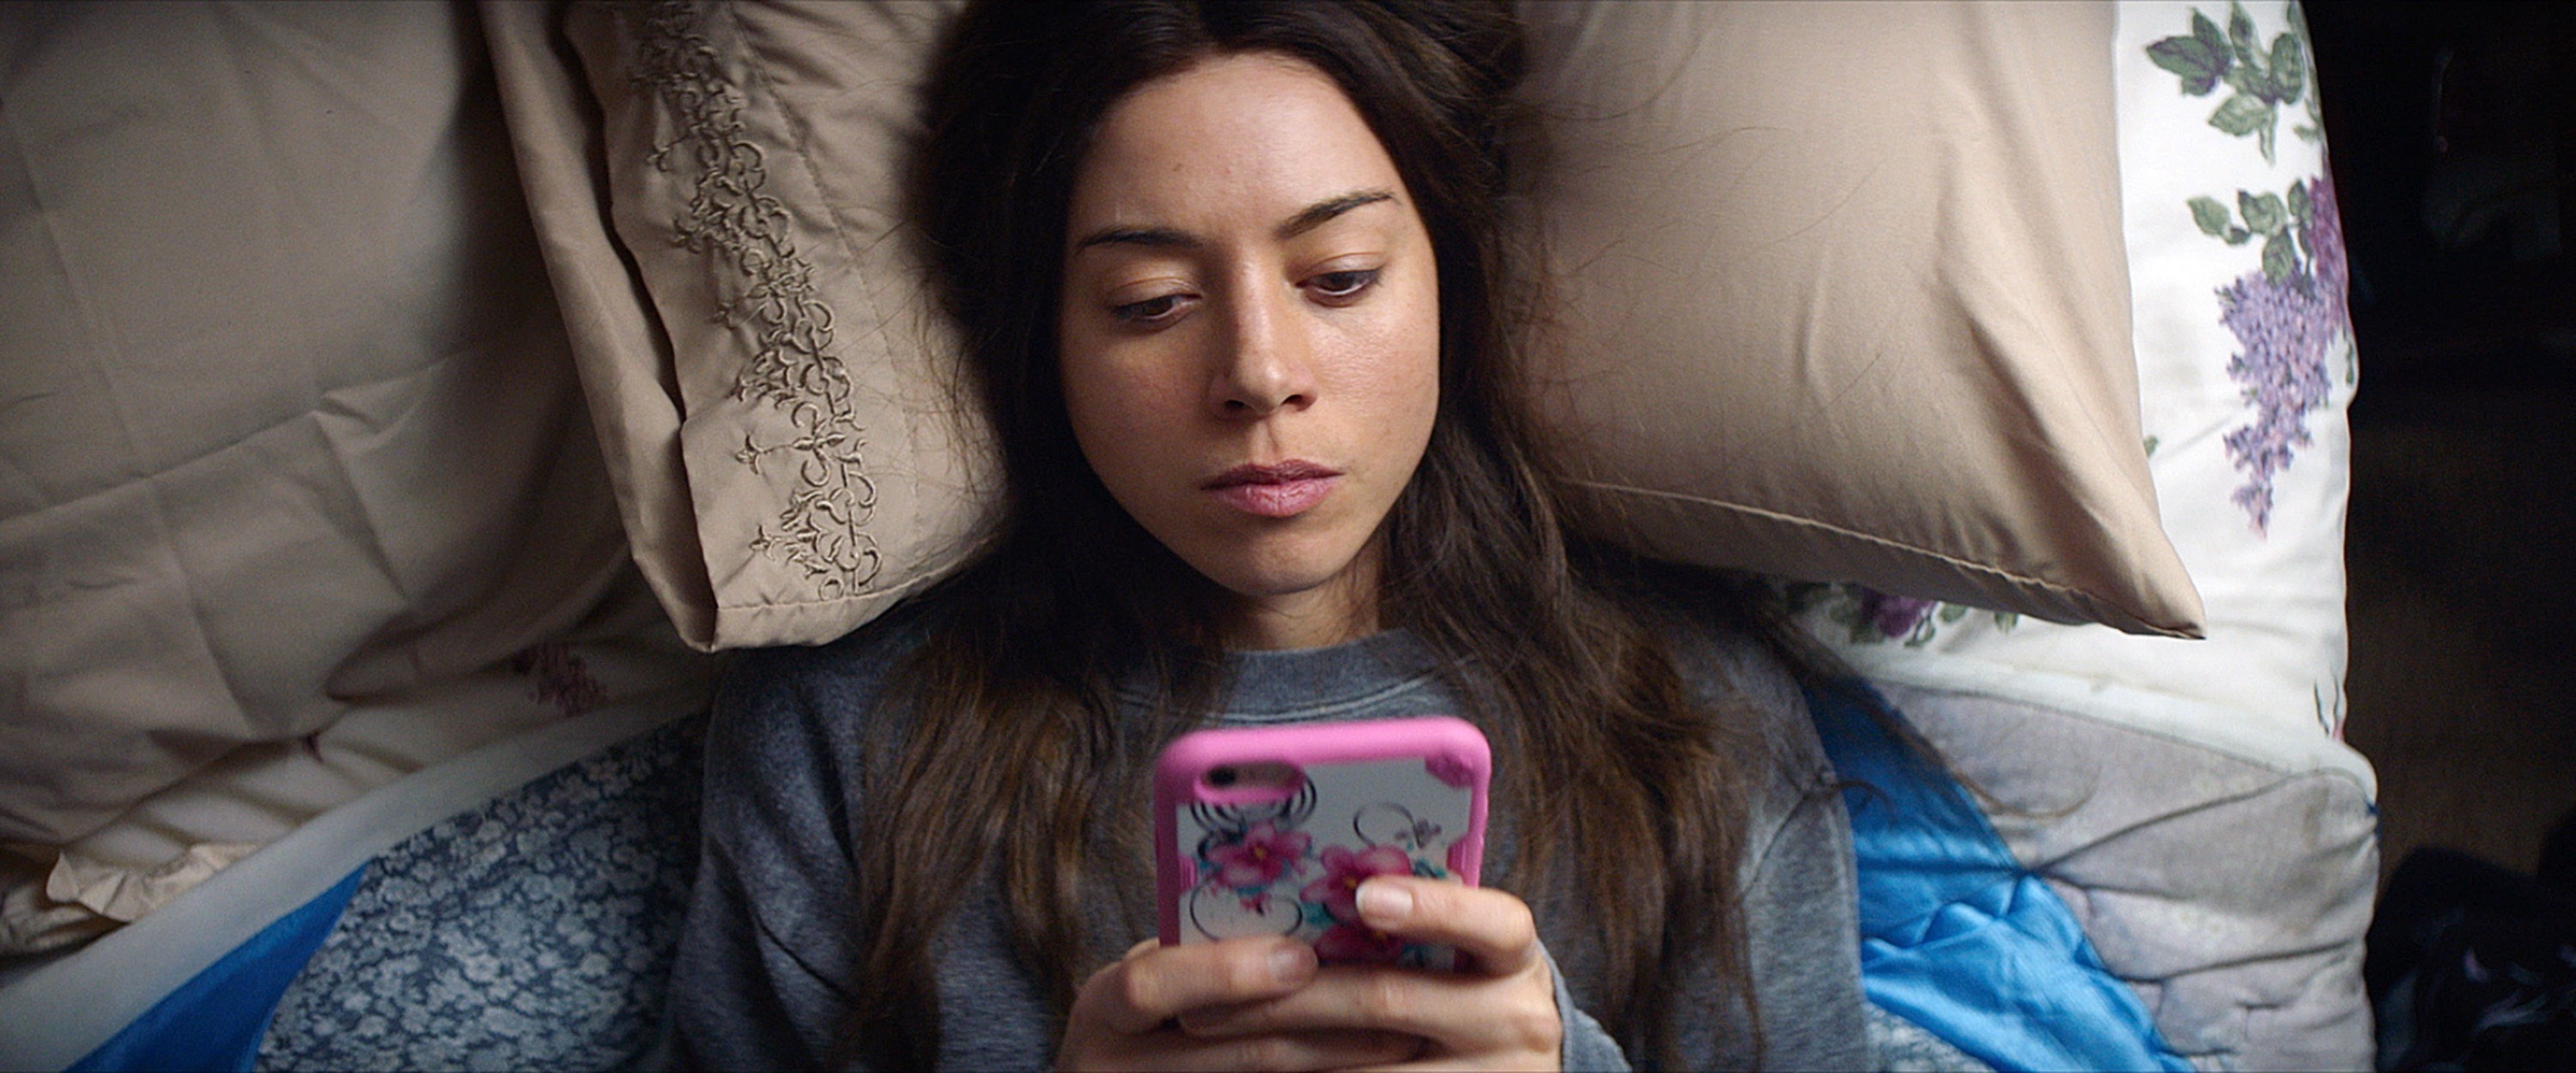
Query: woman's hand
{"x": 1498, "y": 1011}
{"x": 1124, "y": 1016}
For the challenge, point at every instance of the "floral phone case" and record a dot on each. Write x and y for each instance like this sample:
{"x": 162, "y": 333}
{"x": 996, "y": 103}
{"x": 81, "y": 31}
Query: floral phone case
{"x": 1270, "y": 830}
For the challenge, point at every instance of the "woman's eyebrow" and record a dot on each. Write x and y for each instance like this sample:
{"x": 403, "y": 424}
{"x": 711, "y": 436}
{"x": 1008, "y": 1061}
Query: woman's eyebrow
{"x": 1306, "y": 219}
{"x": 1138, "y": 236}
{"x": 1315, "y": 215}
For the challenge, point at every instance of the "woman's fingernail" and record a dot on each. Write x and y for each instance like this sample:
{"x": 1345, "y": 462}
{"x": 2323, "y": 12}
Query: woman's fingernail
{"x": 1385, "y": 903}
{"x": 1293, "y": 964}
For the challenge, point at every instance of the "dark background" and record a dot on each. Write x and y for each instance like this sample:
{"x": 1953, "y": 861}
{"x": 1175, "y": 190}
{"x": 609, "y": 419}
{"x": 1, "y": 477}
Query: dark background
{"x": 2451, "y": 130}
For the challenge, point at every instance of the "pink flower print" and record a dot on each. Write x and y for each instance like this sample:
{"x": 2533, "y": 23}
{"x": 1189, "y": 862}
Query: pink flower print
{"x": 1265, "y": 854}
{"x": 1358, "y": 942}
{"x": 1339, "y": 890}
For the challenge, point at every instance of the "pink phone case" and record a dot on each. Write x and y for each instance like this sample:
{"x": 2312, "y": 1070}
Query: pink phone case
{"x": 1269, "y": 830}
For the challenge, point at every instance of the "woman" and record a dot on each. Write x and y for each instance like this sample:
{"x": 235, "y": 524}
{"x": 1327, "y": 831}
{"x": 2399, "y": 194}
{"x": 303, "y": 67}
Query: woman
{"x": 1240, "y": 304}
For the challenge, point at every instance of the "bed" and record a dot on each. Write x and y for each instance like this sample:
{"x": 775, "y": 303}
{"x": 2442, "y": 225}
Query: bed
{"x": 409, "y": 404}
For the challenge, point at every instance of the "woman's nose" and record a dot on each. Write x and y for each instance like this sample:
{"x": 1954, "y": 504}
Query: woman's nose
{"x": 1268, "y": 365}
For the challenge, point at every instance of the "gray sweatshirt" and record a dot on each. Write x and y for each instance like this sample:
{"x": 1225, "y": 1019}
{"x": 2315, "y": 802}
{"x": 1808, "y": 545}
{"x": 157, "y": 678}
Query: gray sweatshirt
{"x": 761, "y": 981}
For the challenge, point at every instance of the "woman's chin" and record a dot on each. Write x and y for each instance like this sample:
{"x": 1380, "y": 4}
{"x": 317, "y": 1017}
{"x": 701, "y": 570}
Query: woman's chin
{"x": 1297, "y": 605}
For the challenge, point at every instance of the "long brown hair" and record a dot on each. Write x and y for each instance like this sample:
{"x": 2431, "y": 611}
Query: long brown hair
{"x": 1622, "y": 793}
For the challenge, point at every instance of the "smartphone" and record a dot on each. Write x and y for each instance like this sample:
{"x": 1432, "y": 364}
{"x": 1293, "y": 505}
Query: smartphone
{"x": 1270, "y": 830}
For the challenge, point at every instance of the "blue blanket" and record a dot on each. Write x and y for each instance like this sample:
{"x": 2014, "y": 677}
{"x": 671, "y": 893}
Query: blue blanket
{"x": 1956, "y": 936}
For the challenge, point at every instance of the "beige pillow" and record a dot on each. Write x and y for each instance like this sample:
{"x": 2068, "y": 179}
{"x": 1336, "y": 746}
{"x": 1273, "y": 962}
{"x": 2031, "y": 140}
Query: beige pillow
{"x": 715, "y": 189}
{"x": 1845, "y": 292}
{"x": 1844, "y": 296}
{"x": 295, "y": 472}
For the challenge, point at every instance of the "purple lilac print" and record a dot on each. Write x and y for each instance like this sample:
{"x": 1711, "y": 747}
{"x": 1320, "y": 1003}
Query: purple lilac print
{"x": 2287, "y": 315}
{"x": 1896, "y": 617}
{"x": 2286, "y": 324}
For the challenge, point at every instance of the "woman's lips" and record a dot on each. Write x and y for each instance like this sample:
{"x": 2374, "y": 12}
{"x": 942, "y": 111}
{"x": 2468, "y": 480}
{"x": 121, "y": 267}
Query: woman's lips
{"x": 1284, "y": 490}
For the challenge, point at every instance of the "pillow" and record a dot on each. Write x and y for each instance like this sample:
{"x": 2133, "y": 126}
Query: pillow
{"x": 291, "y": 432}
{"x": 716, "y": 192}
{"x": 1845, "y": 298}
{"x": 2244, "y": 349}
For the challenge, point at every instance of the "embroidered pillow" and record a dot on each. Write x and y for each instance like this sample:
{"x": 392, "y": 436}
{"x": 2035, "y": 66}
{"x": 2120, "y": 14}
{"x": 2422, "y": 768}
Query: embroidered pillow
{"x": 715, "y": 189}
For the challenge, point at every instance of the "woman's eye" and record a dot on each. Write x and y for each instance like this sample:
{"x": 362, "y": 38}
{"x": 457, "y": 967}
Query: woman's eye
{"x": 1346, "y": 284}
{"x": 1147, "y": 311}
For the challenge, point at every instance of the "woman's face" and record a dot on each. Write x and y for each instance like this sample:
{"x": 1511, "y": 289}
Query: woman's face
{"x": 1250, "y": 336}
